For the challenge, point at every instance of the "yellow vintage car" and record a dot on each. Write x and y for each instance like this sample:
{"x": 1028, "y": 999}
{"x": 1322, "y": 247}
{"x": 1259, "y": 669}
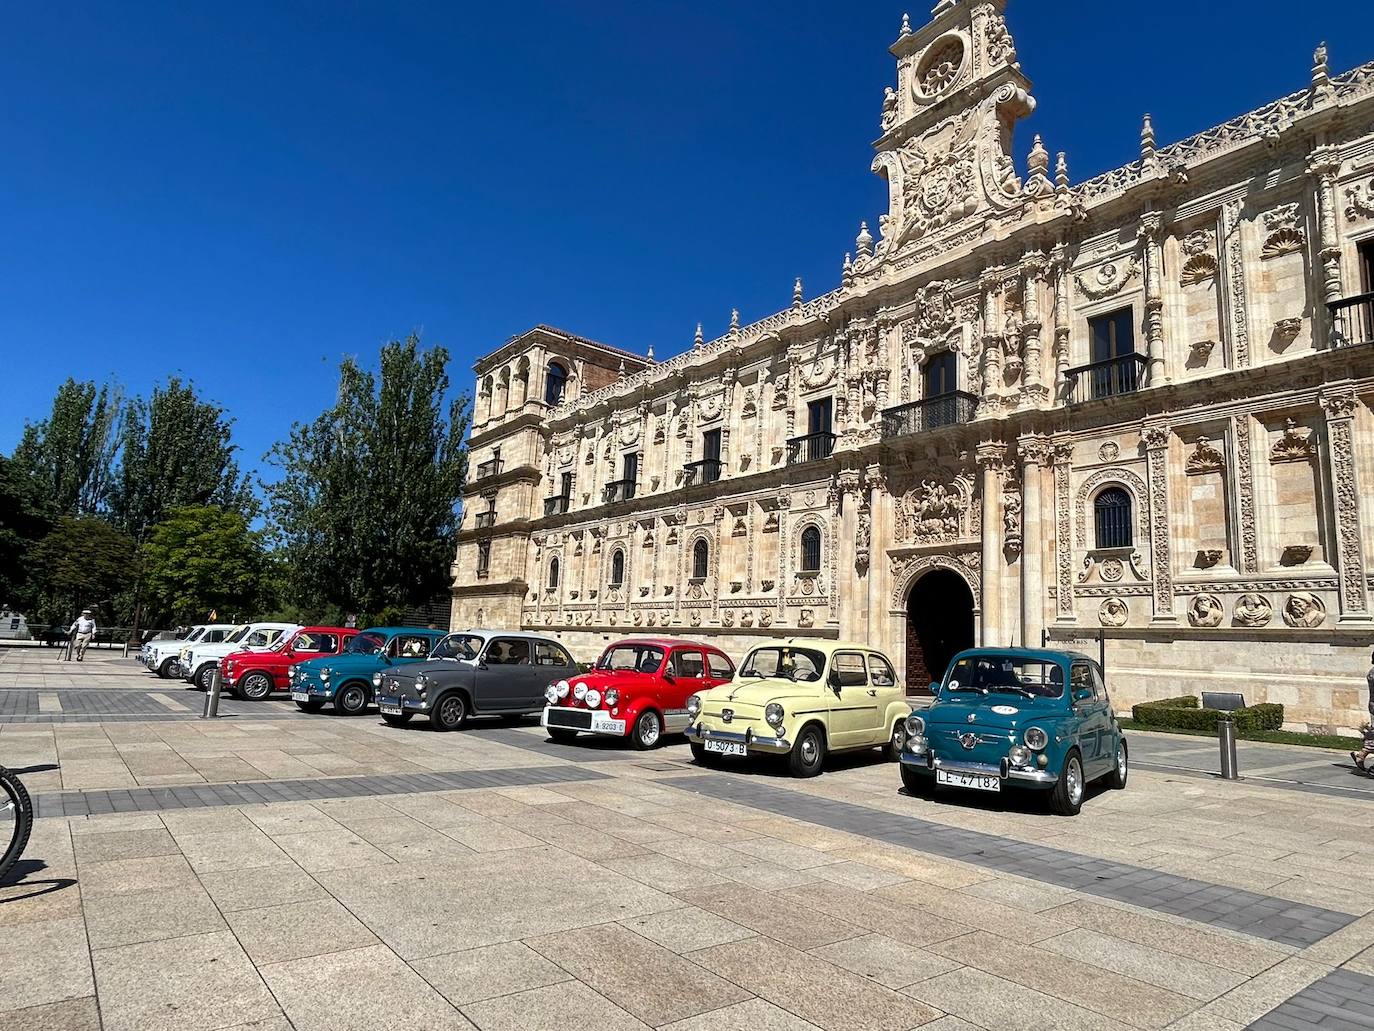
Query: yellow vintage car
{"x": 802, "y": 698}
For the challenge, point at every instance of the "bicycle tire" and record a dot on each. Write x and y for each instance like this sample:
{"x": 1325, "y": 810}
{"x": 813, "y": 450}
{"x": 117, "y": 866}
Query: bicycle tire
{"x": 13, "y": 796}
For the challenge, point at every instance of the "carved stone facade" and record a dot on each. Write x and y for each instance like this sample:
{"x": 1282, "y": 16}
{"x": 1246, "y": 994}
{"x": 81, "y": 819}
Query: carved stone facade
{"x": 939, "y": 452}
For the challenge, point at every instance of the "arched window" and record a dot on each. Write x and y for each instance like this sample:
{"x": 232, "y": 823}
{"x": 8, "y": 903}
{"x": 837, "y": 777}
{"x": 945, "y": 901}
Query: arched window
{"x": 617, "y": 568}
{"x": 555, "y": 382}
{"x": 553, "y": 574}
{"x": 1112, "y": 517}
{"x": 701, "y": 558}
{"x": 811, "y": 550}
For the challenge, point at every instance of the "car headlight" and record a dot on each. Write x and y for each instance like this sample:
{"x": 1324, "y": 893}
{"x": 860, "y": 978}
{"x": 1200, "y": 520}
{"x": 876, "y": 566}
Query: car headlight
{"x": 422, "y": 681}
{"x": 915, "y": 726}
{"x": 694, "y": 706}
{"x": 551, "y": 694}
{"x": 579, "y": 691}
{"x": 562, "y": 688}
{"x": 1036, "y": 739}
{"x": 612, "y": 697}
{"x": 593, "y": 698}
{"x": 325, "y": 674}
{"x": 1019, "y": 755}
{"x": 376, "y": 680}
{"x": 773, "y": 714}
{"x": 291, "y": 672}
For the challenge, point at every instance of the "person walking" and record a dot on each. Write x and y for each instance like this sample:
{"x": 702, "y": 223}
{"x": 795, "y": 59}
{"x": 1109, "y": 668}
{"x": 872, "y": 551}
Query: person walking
{"x": 84, "y": 629}
{"x": 1364, "y": 753}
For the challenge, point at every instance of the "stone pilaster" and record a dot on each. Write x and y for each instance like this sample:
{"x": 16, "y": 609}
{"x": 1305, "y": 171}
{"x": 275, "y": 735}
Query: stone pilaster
{"x": 1245, "y": 494}
{"x": 850, "y": 497}
{"x": 1233, "y": 283}
{"x": 1035, "y": 455}
{"x": 868, "y": 553}
{"x": 1033, "y": 380}
{"x": 1062, "y": 325}
{"x": 991, "y": 456}
{"x": 1156, "y": 440}
{"x": 1065, "y": 614}
{"x": 991, "y": 285}
{"x": 1150, "y": 233}
{"x": 1323, "y": 166}
{"x": 1345, "y": 489}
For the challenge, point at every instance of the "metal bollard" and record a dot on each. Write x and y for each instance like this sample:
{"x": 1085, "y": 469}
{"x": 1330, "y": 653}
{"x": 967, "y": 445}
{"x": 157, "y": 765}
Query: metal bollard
{"x": 1226, "y": 734}
{"x": 212, "y": 697}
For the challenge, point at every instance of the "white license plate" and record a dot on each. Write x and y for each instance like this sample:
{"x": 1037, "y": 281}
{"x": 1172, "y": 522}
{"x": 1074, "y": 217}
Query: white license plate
{"x": 300, "y": 696}
{"x": 390, "y": 710}
{"x": 977, "y": 781}
{"x": 606, "y": 725}
{"x": 726, "y": 747}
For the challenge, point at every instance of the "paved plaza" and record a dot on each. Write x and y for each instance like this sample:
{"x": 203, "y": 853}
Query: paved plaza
{"x": 275, "y": 870}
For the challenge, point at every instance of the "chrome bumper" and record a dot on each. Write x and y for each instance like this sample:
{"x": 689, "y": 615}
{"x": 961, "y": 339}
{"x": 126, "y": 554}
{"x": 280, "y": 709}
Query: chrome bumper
{"x": 752, "y": 742}
{"x": 927, "y": 763}
{"x": 402, "y": 702}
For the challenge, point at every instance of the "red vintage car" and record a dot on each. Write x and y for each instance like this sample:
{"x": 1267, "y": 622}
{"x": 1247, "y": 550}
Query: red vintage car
{"x": 254, "y": 675}
{"x": 637, "y": 689}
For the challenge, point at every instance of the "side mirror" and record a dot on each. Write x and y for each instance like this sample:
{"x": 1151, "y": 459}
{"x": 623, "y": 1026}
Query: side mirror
{"x": 935, "y": 689}
{"x": 1083, "y": 694}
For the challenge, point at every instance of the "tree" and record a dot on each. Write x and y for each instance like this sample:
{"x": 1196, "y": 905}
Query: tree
{"x": 176, "y": 452}
{"x": 200, "y": 559}
{"x": 23, "y": 521}
{"x": 82, "y": 562}
{"x": 68, "y": 454}
{"x": 365, "y": 505}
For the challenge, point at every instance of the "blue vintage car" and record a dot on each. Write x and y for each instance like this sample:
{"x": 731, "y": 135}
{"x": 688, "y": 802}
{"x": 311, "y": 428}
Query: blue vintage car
{"x": 347, "y": 679}
{"x": 1016, "y": 717}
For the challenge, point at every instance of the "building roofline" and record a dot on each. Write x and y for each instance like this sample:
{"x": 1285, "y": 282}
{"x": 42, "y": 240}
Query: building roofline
{"x": 484, "y": 363}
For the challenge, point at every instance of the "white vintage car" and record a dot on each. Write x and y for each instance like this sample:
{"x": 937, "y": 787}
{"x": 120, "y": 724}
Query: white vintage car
{"x": 199, "y": 659}
{"x": 160, "y": 656}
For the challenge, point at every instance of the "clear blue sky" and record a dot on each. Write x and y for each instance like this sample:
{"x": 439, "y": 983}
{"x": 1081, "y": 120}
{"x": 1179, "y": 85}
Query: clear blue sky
{"x": 244, "y": 192}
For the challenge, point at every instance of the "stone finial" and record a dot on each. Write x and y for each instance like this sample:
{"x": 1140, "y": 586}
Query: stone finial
{"x": 621, "y": 371}
{"x": 698, "y": 340}
{"x": 1061, "y": 172}
{"x": 1039, "y": 160}
{"x": 734, "y": 320}
{"x": 1321, "y": 70}
{"x": 847, "y": 273}
{"x": 651, "y": 354}
{"x": 797, "y": 291}
{"x": 863, "y": 243}
{"x": 1147, "y": 140}
{"x": 906, "y": 25}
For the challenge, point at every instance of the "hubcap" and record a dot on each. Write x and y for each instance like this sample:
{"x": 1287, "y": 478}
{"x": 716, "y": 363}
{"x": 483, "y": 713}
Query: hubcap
{"x": 257, "y": 686}
{"x": 353, "y": 699}
{"x": 898, "y": 739}
{"x": 205, "y": 675}
{"x": 1075, "y": 778}
{"x": 453, "y": 710}
{"x": 810, "y": 749}
{"x": 648, "y": 728}
{"x": 1121, "y": 762}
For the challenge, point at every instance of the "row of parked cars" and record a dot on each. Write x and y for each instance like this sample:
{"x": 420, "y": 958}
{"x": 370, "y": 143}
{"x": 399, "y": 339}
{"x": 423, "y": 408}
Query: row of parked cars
{"x": 1001, "y": 717}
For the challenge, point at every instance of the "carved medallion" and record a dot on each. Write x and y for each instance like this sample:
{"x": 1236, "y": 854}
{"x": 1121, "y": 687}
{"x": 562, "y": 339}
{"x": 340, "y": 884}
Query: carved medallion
{"x": 1109, "y": 451}
{"x": 1113, "y": 612}
{"x": 1304, "y": 610}
{"x": 1205, "y": 611}
{"x": 1252, "y": 610}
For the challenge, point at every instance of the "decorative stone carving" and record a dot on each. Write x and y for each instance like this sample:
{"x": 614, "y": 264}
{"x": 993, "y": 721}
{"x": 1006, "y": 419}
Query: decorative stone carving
{"x": 1011, "y": 519}
{"x": 931, "y": 512}
{"x": 1294, "y": 445}
{"x": 1286, "y": 331}
{"x": 1109, "y": 279}
{"x": 660, "y": 430}
{"x": 1200, "y": 264}
{"x": 819, "y": 373}
{"x": 1156, "y": 440}
{"x": 1110, "y": 451}
{"x": 1111, "y": 570}
{"x": 767, "y": 586}
{"x": 1236, "y": 301}
{"x": 889, "y": 116}
{"x": 1245, "y": 493}
{"x": 1283, "y": 225}
{"x": 1205, "y": 458}
{"x": 770, "y": 523}
{"x": 1295, "y": 554}
{"x": 1359, "y": 201}
{"x": 709, "y": 408}
{"x": 1205, "y": 610}
{"x": 1203, "y": 349}
{"x": 1252, "y": 610}
{"x": 1304, "y": 610}
{"x": 1113, "y": 612}
{"x": 1354, "y": 597}
{"x": 751, "y": 405}
{"x": 806, "y": 619}
{"x": 1207, "y": 558}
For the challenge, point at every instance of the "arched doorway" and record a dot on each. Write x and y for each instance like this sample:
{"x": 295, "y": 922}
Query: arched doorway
{"x": 939, "y": 625}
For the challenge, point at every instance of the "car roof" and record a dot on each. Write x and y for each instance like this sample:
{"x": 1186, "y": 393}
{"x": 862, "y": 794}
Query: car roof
{"x": 402, "y": 630}
{"x": 820, "y": 645}
{"x": 487, "y": 632}
{"x": 1044, "y": 654}
{"x": 667, "y": 642}
{"x": 331, "y": 629}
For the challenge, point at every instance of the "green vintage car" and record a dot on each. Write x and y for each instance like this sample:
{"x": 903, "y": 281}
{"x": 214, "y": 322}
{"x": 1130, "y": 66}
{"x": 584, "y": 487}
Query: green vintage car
{"x": 1017, "y": 717}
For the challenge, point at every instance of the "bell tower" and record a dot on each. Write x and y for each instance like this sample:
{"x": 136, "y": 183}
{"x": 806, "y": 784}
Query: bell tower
{"x": 946, "y": 145}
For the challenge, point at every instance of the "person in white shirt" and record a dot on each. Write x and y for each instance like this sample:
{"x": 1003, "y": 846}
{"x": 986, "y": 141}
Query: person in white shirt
{"x": 84, "y": 629}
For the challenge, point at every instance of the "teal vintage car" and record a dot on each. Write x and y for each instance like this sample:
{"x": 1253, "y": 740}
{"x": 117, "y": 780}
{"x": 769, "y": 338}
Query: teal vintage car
{"x": 349, "y": 678}
{"x": 1016, "y": 717}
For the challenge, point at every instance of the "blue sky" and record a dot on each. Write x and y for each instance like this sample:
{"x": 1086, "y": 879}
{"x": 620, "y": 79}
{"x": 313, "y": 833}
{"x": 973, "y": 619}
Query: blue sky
{"x": 242, "y": 193}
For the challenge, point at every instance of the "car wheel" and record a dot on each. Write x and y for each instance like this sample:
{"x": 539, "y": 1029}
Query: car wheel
{"x": 395, "y": 720}
{"x": 309, "y": 706}
{"x": 351, "y": 700}
{"x": 808, "y": 754}
{"x": 254, "y": 687}
{"x": 918, "y": 785}
{"x": 165, "y": 669}
{"x": 646, "y": 731}
{"x": 562, "y": 735}
{"x": 893, "y": 749}
{"x": 1122, "y": 770}
{"x": 1067, "y": 797}
{"x": 203, "y": 676}
{"x": 450, "y": 713}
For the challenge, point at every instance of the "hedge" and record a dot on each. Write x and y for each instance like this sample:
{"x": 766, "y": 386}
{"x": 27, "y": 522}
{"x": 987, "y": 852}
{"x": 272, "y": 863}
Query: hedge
{"x": 1184, "y": 714}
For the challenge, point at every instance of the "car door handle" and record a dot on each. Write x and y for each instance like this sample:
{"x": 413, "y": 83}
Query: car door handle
{"x": 872, "y": 693}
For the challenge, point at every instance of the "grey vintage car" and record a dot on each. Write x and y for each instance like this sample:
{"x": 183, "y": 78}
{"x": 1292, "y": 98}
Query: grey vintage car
{"x": 474, "y": 673}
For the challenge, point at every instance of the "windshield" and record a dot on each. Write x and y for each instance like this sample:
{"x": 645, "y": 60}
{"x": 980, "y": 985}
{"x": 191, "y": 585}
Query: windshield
{"x": 1034, "y": 678}
{"x": 194, "y": 634}
{"x": 237, "y": 634}
{"x": 458, "y": 646}
{"x": 801, "y": 664}
{"x": 365, "y": 644}
{"x": 620, "y": 658}
{"x": 283, "y": 641}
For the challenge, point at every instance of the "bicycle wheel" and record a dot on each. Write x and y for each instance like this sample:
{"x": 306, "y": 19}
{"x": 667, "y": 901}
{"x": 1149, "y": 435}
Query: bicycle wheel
{"x": 16, "y": 820}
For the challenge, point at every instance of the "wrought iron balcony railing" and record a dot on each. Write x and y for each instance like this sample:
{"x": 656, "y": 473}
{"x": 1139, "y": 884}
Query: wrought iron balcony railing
{"x": 928, "y": 414}
{"x": 1110, "y": 378}
{"x": 706, "y": 471}
{"x": 489, "y": 468}
{"x": 486, "y": 520}
{"x": 811, "y": 448}
{"x": 619, "y": 490}
{"x": 1352, "y": 320}
{"x": 556, "y": 506}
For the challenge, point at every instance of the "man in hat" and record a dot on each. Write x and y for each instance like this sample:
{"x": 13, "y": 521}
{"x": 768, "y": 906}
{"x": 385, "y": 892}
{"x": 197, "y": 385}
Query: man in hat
{"x": 84, "y": 629}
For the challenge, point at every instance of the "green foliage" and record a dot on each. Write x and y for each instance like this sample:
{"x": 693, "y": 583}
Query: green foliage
{"x": 68, "y": 454}
{"x": 364, "y": 508}
{"x": 1183, "y": 713}
{"x": 82, "y": 562}
{"x": 199, "y": 559}
{"x": 176, "y": 453}
{"x": 23, "y": 521}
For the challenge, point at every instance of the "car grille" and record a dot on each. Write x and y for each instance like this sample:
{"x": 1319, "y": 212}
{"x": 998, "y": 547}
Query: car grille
{"x": 572, "y": 719}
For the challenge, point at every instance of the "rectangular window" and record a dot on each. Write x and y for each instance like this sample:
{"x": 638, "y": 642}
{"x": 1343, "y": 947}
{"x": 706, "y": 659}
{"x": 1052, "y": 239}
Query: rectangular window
{"x": 882, "y": 672}
{"x": 720, "y": 666}
{"x": 565, "y": 485}
{"x": 818, "y": 416}
{"x": 848, "y": 669}
{"x": 410, "y": 646}
{"x": 508, "y": 651}
{"x": 1367, "y": 267}
{"x": 546, "y": 653}
{"x": 939, "y": 375}
{"x": 1113, "y": 336}
{"x": 689, "y": 665}
{"x": 483, "y": 557}
{"x": 710, "y": 446}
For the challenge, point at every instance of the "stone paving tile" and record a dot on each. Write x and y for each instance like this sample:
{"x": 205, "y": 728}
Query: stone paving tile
{"x": 991, "y": 1002}
{"x": 297, "y": 930}
{"x": 44, "y": 962}
{"x": 769, "y": 914}
{"x": 621, "y": 965}
{"x": 873, "y": 912}
{"x": 1260, "y": 994}
{"x": 881, "y": 959}
{"x": 688, "y": 929}
{"x": 145, "y": 916}
{"x": 1186, "y": 976}
{"x": 1342, "y": 999}
{"x": 568, "y": 1007}
{"x": 367, "y": 988}
{"x": 751, "y": 1015}
{"x": 826, "y": 995}
{"x": 258, "y": 887}
{"x": 488, "y": 972}
{"x": 73, "y": 1015}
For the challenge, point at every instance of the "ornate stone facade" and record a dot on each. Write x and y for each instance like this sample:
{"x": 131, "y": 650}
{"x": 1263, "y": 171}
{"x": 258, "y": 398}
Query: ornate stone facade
{"x": 1134, "y": 409}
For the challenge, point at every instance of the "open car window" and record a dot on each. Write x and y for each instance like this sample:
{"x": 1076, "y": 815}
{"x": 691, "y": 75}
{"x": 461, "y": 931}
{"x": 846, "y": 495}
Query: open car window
{"x": 546, "y": 653}
{"x": 1034, "y": 678}
{"x": 850, "y": 670}
{"x": 410, "y": 646}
